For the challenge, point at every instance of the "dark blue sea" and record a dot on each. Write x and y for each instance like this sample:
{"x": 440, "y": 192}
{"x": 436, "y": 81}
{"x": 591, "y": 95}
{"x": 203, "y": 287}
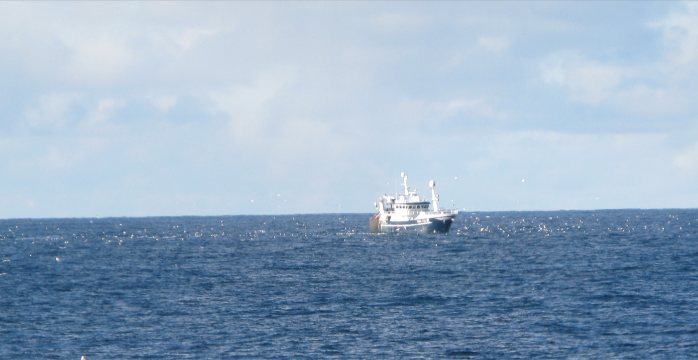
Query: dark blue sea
{"x": 619, "y": 284}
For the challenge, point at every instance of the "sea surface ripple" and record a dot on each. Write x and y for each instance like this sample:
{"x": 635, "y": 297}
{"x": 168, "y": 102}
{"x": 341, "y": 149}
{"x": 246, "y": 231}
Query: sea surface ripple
{"x": 501, "y": 285}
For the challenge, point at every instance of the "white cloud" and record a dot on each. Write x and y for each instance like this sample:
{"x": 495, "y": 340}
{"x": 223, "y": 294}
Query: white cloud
{"x": 301, "y": 142}
{"x": 565, "y": 170}
{"x": 100, "y": 59}
{"x": 98, "y": 120}
{"x": 494, "y": 44}
{"x": 359, "y": 82}
{"x": 248, "y": 106}
{"x": 588, "y": 82}
{"x": 552, "y": 70}
{"x": 51, "y": 113}
{"x": 55, "y": 159}
{"x": 592, "y": 82}
{"x": 190, "y": 36}
{"x": 164, "y": 102}
{"x": 401, "y": 21}
{"x": 636, "y": 90}
{"x": 479, "y": 106}
{"x": 688, "y": 160}
{"x": 681, "y": 32}
{"x": 660, "y": 87}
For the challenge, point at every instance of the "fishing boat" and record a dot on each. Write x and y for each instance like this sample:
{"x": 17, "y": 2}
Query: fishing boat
{"x": 409, "y": 213}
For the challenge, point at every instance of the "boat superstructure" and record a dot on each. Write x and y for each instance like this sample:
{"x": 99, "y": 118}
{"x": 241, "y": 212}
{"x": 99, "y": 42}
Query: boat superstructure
{"x": 409, "y": 212}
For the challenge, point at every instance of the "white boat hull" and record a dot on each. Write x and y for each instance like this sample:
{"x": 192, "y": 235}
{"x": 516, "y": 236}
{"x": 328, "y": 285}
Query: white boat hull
{"x": 435, "y": 225}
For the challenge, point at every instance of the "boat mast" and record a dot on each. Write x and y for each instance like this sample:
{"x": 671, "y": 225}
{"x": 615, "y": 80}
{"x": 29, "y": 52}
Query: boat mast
{"x": 404, "y": 183}
{"x": 434, "y": 195}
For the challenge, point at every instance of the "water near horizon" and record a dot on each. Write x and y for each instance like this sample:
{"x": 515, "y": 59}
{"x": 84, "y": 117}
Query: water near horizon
{"x": 501, "y": 285}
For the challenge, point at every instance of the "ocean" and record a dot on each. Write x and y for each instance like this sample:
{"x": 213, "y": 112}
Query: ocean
{"x": 619, "y": 284}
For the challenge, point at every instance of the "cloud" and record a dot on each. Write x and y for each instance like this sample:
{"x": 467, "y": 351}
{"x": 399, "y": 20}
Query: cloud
{"x": 97, "y": 121}
{"x": 56, "y": 159}
{"x": 467, "y": 107}
{"x": 494, "y": 44}
{"x": 330, "y": 96}
{"x": 591, "y": 82}
{"x": 635, "y": 90}
{"x": 586, "y": 81}
{"x": 302, "y": 142}
{"x": 100, "y": 59}
{"x": 190, "y": 36}
{"x": 164, "y": 103}
{"x": 51, "y": 114}
{"x": 680, "y": 30}
{"x": 688, "y": 160}
{"x": 247, "y": 106}
{"x": 552, "y": 70}
{"x": 643, "y": 87}
{"x": 564, "y": 170}
{"x": 401, "y": 21}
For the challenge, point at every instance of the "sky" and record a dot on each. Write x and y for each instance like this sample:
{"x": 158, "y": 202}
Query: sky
{"x": 224, "y": 108}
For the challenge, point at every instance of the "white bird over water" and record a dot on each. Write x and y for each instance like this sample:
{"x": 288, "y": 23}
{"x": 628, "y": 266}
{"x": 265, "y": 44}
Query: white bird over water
{"x": 522, "y": 180}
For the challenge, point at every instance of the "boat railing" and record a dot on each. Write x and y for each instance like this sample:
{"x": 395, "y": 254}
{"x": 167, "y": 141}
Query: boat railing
{"x": 442, "y": 212}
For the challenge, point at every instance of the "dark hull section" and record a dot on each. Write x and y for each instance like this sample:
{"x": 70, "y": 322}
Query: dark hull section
{"x": 433, "y": 226}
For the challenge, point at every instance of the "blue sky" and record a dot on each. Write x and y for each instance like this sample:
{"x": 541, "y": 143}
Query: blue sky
{"x": 198, "y": 108}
